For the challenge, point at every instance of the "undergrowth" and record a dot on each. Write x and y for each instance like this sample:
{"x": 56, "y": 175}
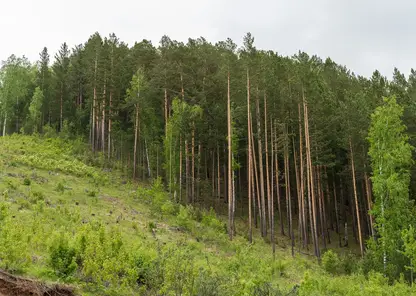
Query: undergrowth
{"x": 61, "y": 220}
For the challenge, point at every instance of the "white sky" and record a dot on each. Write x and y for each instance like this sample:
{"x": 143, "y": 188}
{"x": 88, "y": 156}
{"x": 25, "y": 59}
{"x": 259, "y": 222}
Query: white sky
{"x": 363, "y": 35}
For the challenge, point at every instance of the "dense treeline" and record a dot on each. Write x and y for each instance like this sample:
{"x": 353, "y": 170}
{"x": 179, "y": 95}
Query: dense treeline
{"x": 281, "y": 138}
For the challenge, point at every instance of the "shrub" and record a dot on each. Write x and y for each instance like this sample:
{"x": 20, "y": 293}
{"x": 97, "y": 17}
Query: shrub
{"x": 207, "y": 284}
{"x": 151, "y": 226}
{"x": 62, "y": 256}
{"x": 184, "y": 218}
{"x": 209, "y": 219}
{"x": 348, "y": 263}
{"x": 265, "y": 289}
{"x": 280, "y": 267}
{"x": 26, "y": 182}
{"x": 14, "y": 243}
{"x": 169, "y": 208}
{"x": 60, "y": 188}
{"x": 92, "y": 193}
{"x": 179, "y": 272}
{"x": 331, "y": 262}
{"x": 37, "y": 196}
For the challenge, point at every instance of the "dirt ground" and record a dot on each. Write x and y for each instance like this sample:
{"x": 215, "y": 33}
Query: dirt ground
{"x": 11, "y": 285}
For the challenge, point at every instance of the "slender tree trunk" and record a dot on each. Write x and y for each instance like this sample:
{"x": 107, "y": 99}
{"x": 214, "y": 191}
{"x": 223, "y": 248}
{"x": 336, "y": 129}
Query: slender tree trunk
{"x": 218, "y": 174}
{"x": 4, "y": 124}
{"x": 193, "y": 164}
{"x": 369, "y": 198}
{"x": 288, "y": 195}
{"x": 250, "y": 169}
{"x": 180, "y": 168}
{"x": 320, "y": 203}
{"x": 302, "y": 183}
{"x": 356, "y": 200}
{"x": 260, "y": 151}
{"x": 187, "y": 191}
{"x": 311, "y": 188}
{"x": 279, "y": 208}
{"x": 271, "y": 206}
{"x": 198, "y": 177}
{"x": 342, "y": 210}
{"x": 328, "y": 195}
{"x": 94, "y": 104}
{"x": 213, "y": 175}
{"x": 300, "y": 223}
{"x": 256, "y": 175}
{"x": 336, "y": 212}
{"x": 136, "y": 129}
{"x": 230, "y": 161}
{"x": 109, "y": 125}
{"x": 149, "y": 172}
{"x": 103, "y": 119}
{"x": 166, "y": 110}
{"x": 269, "y": 201}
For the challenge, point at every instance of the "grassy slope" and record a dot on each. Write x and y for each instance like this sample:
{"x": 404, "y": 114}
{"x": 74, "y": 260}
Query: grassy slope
{"x": 65, "y": 196}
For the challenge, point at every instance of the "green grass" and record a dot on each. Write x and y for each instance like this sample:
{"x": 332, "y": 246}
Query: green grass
{"x": 64, "y": 219}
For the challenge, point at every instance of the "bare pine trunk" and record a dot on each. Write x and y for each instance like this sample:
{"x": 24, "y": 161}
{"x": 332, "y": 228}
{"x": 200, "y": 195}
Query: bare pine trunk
{"x": 166, "y": 110}
{"x": 230, "y": 162}
{"x": 250, "y": 169}
{"x": 369, "y": 198}
{"x": 302, "y": 183}
{"x": 256, "y": 175}
{"x": 271, "y": 206}
{"x": 103, "y": 121}
{"x": 218, "y": 174}
{"x": 187, "y": 191}
{"x": 213, "y": 174}
{"x": 193, "y": 164}
{"x": 109, "y": 124}
{"x": 300, "y": 223}
{"x": 328, "y": 195}
{"x": 321, "y": 204}
{"x": 288, "y": 194}
{"x": 269, "y": 202}
{"x": 260, "y": 151}
{"x": 279, "y": 208}
{"x": 336, "y": 212}
{"x": 4, "y": 124}
{"x": 356, "y": 200}
{"x": 311, "y": 188}
{"x": 180, "y": 168}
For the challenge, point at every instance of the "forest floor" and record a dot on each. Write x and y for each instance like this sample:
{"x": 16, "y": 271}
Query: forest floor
{"x": 54, "y": 200}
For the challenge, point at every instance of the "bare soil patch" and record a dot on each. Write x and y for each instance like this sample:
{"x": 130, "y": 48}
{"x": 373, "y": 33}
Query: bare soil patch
{"x": 11, "y": 285}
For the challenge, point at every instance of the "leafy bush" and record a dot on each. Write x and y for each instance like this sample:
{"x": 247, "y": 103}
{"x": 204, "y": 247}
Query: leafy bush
{"x": 210, "y": 219}
{"x": 280, "y": 267}
{"x": 169, "y": 208}
{"x": 331, "y": 262}
{"x": 60, "y": 187}
{"x": 37, "y": 196}
{"x": 151, "y": 226}
{"x": 184, "y": 218}
{"x": 207, "y": 284}
{"x": 62, "y": 256}
{"x": 26, "y": 182}
{"x": 14, "y": 242}
{"x": 92, "y": 193}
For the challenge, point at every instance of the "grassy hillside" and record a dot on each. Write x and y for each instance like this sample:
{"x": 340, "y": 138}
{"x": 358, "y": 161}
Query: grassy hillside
{"x": 65, "y": 219}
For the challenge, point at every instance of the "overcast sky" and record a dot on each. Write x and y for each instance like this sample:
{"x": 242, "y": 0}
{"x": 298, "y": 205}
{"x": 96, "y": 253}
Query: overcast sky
{"x": 363, "y": 35}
